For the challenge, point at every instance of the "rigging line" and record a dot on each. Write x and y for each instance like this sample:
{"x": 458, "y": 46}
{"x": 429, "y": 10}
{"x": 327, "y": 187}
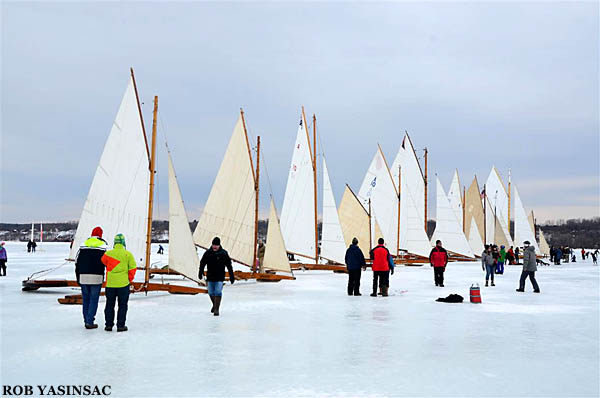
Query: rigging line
{"x": 266, "y": 169}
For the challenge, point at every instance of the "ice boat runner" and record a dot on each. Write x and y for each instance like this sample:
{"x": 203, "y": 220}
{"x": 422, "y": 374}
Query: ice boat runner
{"x": 120, "y": 198}
{"x": 231, "y": 210}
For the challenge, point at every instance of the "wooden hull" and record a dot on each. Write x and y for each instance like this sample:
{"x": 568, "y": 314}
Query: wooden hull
{"x": 32, "y": 285}
{"x": 320, "y": 267}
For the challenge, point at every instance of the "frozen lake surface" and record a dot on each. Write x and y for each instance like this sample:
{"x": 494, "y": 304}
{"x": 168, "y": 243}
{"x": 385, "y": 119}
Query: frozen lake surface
{"x": 307, "y": 337}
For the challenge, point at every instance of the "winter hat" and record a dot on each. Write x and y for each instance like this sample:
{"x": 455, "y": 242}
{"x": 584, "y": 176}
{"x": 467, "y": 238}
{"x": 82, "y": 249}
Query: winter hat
{"x": 354, "y": 241}
{"x": 216, "y": 241}
{"x": 120, "y": 239}
{"x": 527, "y": 243}
{"x": 97, "y": 232}
{"x": 2, "y": 244}
{"x": 502, "y": 247}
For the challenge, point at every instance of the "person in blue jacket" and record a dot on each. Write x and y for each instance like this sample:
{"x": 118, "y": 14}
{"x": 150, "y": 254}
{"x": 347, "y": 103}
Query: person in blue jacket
{"x": 355, "y": 260}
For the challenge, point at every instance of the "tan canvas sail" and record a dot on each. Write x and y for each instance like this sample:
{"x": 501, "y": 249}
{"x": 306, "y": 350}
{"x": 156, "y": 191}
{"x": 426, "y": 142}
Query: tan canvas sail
{"x": 544, "y": 248}
{"x": 183, "y": 257}
{"x": 474, "y": 209}
{"x": 275, "y": 254}
{"x": 354, "y": 220}
{"x": 229, "y": 210}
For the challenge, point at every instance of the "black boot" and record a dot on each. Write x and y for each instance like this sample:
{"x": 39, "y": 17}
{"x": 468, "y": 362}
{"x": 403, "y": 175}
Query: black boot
{"x": 217, "y": 305}
{"x": 212, "y": 300}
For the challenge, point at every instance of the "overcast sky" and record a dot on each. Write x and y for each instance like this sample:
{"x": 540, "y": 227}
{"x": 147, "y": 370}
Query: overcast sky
{"x": 508, "y": 84}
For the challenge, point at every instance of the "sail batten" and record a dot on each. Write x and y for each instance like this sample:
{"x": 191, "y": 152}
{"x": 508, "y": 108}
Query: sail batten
{"x": 117, "y": 200}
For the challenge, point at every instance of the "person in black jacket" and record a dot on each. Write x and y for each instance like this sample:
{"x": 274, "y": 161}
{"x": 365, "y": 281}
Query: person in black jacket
{"x": 215, "y": 260}
{"x": 355, "y": 260}
{"x": 89, "y": 271}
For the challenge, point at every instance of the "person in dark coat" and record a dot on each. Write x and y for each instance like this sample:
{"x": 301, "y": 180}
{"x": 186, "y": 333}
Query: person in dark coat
{"x": 161, "y": 250}
{"x": 517, "y": 252}
{"x": 438, "y": 259}
{"x": 529, "y": 268}
{"x": 29, "y": 244}
{"x": 89, "y": 271}
{"x": 558, "y": 256}
{"x": 3, "y": 259}
{"x": 216, "y": 259}
{"x": 33, "y": 246}
{"x": 355, "y": 260}
{"x": 381, "y": 267}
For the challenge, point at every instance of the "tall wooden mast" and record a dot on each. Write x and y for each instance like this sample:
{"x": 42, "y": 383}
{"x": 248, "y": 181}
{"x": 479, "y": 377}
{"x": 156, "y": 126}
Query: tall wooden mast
{"x": 399, "y": 199}
{"x": 425, "y": 181}
{"x": 151, "y": 190}
{"x": 509, "y": 202}
{"x": 464, "y": 211}
{"x": 257, "y": 191}
{"x": 140, "y": 111}
{"x": 370, "y": 229}
{"x": 314, "y": 162}
{"x": 484, "y": 215}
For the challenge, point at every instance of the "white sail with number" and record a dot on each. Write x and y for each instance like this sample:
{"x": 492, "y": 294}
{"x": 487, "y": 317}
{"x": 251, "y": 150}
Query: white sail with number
{"x": 297, "y": 212}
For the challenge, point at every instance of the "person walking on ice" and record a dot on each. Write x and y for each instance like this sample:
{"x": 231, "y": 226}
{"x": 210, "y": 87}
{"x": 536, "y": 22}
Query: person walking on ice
{"x": 529, "y": 268}
{"x": 216, "y": 259}
{"x": 120, "y": 271}
{"x": 355, "y": 260}
{"x": 89, "y": 271}
{"x": 438, "y": 259}
{"x": 3, "y": 259}
{"x": 380, "y": 266}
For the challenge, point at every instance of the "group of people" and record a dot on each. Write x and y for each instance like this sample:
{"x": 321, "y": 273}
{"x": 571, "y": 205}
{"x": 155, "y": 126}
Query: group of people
{"x": 93, "y": 258}
{"x": 31, "y": 245}
{"x": 561, "y": 253}
{"x": 594, "y": 254}
{"x": 492, "y": 262}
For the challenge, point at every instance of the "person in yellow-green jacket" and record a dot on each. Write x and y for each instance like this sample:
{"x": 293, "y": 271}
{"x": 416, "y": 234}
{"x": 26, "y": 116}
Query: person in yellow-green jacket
{"x": 120, "y": 271}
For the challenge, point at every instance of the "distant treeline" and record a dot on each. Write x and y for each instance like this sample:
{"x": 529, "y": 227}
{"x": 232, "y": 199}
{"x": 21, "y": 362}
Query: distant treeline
{"x": 573, "y": 233}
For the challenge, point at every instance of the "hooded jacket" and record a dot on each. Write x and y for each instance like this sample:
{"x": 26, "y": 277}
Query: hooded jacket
{"x": 529, "y": 259}
{"x": 120, "y": 266}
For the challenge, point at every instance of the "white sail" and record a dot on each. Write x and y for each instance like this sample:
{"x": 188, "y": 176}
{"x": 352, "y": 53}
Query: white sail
{"x": 297, "y": 213}
{"x": 490, "y": 224}
{"x": 523, "y": 229}
{"x": 229, "y": 210}
{"x": 475, "y": 239}
{"x": 498, "y": 197}
{"x": 118, "y": 197}
{"x": 412, "y": 172}
{"x": 183, "y": 257}
{"x": 378, "y": 187}
{"x": 544, "y": 248}
{"x": 447, "y": 227}
{"x": 354, "y": 220}
{"x": 276, "y": 258}
{"x": 413, "y": 237}
{"x": 455, "y": 198}
{"x": 333, "y": 246}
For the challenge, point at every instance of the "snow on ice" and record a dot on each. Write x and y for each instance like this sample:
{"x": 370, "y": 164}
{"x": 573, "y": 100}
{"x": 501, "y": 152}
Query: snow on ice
{"x": 307, "y": 337}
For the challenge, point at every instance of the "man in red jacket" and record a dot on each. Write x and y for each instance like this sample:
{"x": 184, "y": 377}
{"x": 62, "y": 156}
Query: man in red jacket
{"x": 438, "y": 258}
{"x": 380, "y": 266}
